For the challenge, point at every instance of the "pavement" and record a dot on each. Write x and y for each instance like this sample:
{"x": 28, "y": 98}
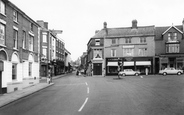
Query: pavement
{"x": 8, "y": 98}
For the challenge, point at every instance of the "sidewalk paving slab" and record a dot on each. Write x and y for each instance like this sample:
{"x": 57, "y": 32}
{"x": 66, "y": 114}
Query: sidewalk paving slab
{"x": 8, "y": 98}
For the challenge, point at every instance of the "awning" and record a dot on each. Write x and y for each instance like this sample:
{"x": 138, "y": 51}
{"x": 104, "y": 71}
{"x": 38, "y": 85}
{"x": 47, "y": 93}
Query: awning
{"x": 143, "y": 63}
{"x": 128, "y": 63}
{"x": 112, "y": 64}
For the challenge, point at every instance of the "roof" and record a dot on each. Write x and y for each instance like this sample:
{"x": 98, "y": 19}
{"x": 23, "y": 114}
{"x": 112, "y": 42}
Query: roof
{"x": 159, "y": 31}
{"x": 125, "y": 32}
{"x": 174, "y": 28}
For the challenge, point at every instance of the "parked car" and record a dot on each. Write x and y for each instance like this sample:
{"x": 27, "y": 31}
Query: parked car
{"x": 171, "y": 71}
{"x": 129, "y": 72}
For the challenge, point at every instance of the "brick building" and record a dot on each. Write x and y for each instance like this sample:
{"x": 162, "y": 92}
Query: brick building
{"x": 169, "y": 47}
{"x": 19, "y": 39}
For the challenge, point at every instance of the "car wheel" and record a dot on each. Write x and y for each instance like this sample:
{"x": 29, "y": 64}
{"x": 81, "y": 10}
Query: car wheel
{"x": 123, "y": 74}
{"x": 179, "y": 73}
{"x": 136, "y": 74}
{"x": 164, "y": 73}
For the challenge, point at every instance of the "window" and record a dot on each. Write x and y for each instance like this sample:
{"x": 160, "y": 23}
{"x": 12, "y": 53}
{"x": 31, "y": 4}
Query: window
{"x": 142, "y": 51}
{"x": 2, "y": 7}
{"x": 2, "y": 34}
{"x": 24, "y": 39}
{"x": 44, "y": 52}
{"x": 31, "y": 26}
{"x": 97, "y": 53}
{"x": 44, "y": 37}
{"x": 15, "y": 38}
{"x": 128, "y": 52}
{"x": 172, "y": 37}
{"x": 30, "y": 69}
{"x": 113, "y": 41}
{"x": 127, "y": 40}
{"x": 31, "y": 39}
{"x": 97, "y": 42}
{"x": 175, "y": 36}
{"x": 14, "y": 71}
{"x": 143, "y": 40}
{"x": 15, "y": 16}
{"x": 113, "y": 53}
{"x": 172, "y": 48}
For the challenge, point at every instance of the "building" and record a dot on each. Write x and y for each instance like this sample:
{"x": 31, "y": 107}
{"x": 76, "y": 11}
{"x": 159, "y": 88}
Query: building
{"x": 169, "y": 45}
{"x": 129, "y": 47}
{"x": 67, "y": 61}
{"x": 51, "y": 51}
{"x": 83, "y": 61}
{"x": 95, "y": 58}
{"x": 19, "y": 39}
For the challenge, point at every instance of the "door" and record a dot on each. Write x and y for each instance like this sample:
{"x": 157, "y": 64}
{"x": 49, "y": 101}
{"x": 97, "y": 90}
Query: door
{"x": 97, "y": 69}
{"x": 1, "y": 82}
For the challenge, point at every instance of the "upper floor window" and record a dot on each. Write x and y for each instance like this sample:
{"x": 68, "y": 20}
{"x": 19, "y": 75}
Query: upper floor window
{"x": 31, "y": 41}
{"x": 172, "y": 37}
{"x": 97, "y": 42}
{"x": 24, "y": 39}
{"x": 142, "y": 51}
{"x": 172, "y": 48}
{"x": 128, "y": 51}
{"x": 113, "y": 41}
{"x": 113, "y": 53}
{"x": 44, "y": 37}
{"x": 15, "y": 16}
{"x": 2, "y": 7}
{"x": 31, "y": 26}
{"x": 2, "y": 34}
{"x": 128, "y": 40}
{"x": 97, "y": 53}
{"x": 143, "y": 40}
{"x": 15, "y": 38}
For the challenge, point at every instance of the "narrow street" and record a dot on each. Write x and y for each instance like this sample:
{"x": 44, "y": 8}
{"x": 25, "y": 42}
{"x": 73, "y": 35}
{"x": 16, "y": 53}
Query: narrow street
{"x": 97, "y": 95}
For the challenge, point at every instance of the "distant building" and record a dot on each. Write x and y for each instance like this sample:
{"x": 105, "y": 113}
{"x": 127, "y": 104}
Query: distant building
{"x": 51, "y": 51}
{"x": 129, "y": 47}
{"x": 19, "y": 42}
{"x": 67, "y": 61}
{"x": 95, "y": 51}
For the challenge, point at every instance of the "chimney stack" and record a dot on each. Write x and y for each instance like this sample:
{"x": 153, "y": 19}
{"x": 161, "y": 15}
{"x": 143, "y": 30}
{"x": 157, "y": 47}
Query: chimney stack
{"x": 42, "y": 24}
{"x": 134, "y": 24}
{"x": 105, "y": 25}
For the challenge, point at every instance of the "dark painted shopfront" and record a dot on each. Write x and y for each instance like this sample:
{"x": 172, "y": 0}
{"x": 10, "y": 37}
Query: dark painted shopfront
{"x": 134, "y": 63}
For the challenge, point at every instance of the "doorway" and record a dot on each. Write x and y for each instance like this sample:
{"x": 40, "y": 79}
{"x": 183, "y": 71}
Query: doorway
{"x": 1, "y": 91}
{"x": 97, "y": 69}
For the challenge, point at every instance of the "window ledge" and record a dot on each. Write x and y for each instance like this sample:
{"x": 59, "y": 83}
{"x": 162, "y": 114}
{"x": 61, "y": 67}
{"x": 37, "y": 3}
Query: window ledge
{"x": 15, "y": 49}
{"x": 16, "y": 22}
{"x": 3, "y": 15}
{"x": 2, "y": 45}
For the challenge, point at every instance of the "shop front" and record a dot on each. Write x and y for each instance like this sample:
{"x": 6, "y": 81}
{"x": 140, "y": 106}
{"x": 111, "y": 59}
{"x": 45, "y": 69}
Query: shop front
{"x": 176, "y": 62}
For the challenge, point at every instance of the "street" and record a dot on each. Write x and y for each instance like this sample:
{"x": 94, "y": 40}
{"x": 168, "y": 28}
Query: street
{"x": 97, "y": 95}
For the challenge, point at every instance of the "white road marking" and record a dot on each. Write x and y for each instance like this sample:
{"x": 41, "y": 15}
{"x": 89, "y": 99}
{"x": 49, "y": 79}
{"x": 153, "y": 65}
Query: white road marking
{"x": 141, "y": 76}
{"x": 88, "y": 90}
{"x": 86, "y": 83}
{"x": 83, "y": 105}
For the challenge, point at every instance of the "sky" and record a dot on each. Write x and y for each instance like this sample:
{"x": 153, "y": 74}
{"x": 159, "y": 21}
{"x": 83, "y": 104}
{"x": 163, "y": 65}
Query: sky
{"x": 79, "y": 19}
